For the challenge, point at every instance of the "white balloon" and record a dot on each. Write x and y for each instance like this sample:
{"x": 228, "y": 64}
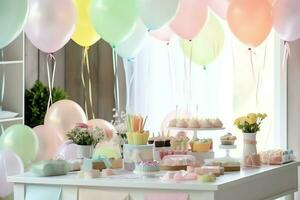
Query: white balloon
{"x": 134, "y": 44}
{"x": 157, "y": 13}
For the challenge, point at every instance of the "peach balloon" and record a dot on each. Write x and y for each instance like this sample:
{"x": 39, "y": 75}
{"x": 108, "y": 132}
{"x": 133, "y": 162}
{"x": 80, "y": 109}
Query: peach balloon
{"x": 103, "y": 124}
{"x": 190, "y": 18}
{"x": 250, "y": 20}
{"x": 64, "y": 115}
{"x": 164, "y": 34}
{"x": 49, "y": 141}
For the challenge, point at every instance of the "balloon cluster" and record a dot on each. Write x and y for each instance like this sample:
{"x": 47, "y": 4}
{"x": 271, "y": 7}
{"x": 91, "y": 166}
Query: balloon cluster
{"x": 124, "y": 23}
{"x": 20, "y": 145}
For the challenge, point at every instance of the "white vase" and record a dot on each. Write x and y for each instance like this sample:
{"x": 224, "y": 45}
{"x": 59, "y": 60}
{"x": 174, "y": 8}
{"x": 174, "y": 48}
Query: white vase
{"x": 249, "y": 145}
{"x": 84, "y": 151}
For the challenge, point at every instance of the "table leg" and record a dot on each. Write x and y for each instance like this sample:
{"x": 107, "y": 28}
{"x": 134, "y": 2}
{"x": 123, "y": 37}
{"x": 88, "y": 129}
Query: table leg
{"x": 290, "y": 197}
{"x": 19, "y": 191}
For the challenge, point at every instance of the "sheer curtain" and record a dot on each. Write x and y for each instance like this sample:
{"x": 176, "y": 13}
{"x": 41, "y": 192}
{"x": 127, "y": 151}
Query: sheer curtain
{"x": 239, "y": 81}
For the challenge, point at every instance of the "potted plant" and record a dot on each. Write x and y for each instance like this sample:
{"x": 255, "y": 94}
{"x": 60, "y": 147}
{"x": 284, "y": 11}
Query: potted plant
{"x": 250, "y": 125}
{"x": 36, "y": 101}
{"x": 86, "y": 138}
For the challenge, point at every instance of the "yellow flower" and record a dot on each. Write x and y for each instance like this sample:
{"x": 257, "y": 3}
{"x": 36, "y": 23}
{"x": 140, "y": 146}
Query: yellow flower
{"x": 243, "y": 120}
{"x": 251, "y": 120}
{"x": 259, "y": 115}
{"x": 252, "y": 115}
{"x": 264, "y": 116}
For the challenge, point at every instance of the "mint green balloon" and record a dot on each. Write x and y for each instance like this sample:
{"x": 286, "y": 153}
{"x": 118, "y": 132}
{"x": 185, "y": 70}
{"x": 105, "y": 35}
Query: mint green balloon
{"x": 13, "y": 15}
{"x": 22, "y": 140}
{"x": 207, "y": 45}
{"x": 114, "y": 20}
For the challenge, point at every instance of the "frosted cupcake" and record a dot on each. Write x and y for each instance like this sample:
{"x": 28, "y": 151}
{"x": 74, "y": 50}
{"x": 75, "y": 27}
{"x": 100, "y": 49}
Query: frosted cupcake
{"x": 172, "y": 123}
{"x": 181, "y": 123}
{"x": 193, "y": 123}
{"x": 205, "y": 123}
{"x": 216, "y": 123}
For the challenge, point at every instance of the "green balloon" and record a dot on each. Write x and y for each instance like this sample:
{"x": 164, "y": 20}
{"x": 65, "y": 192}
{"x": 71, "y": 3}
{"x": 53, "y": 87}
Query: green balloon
{"x": 114, "y": 20}
{"x": 12, "y": 19}
{"x": 207, "y": 45}
{"x": 23, "y": 141}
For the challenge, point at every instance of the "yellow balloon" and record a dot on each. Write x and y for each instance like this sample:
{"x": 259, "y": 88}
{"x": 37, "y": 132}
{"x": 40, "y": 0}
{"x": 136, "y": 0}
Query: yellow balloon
{"x": 85, "y": 35}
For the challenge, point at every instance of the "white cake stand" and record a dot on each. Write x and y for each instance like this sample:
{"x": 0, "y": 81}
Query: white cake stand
{"x": 227, "y": 148}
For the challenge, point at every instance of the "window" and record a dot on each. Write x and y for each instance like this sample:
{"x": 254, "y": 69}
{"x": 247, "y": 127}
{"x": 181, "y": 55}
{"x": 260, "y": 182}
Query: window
{"x": 233, "y": 85}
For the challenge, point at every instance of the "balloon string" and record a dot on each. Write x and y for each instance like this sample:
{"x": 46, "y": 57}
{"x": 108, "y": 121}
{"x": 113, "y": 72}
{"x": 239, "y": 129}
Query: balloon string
{"x": 86, "y": 55}
{"x": 83, "y": 81}
{"x": 251, "y": 61}
{"x": 50, "y": 58}
{"x": 190, "y": 78}
{"x": 286, "y": 55}
{"x": 116, "y": 79}
{"x": 170, "y": 71}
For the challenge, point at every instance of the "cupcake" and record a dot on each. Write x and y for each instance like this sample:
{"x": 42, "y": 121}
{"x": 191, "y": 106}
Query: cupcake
{"x": 159, "y": 142}
{"x": 216, "y": 123}
{"x": 228, "y": 139}
{"x": 193, "y": 123}
{"x": 180, "y": 142}
{"x": 172, "y": 123}
{"x": 205, "y": 123}
{"x": 181, "y": 123}
{"x": 201, "y": 145}
{"x": 151, "y": 139}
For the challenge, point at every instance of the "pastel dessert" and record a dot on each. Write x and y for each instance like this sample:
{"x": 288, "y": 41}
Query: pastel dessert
{"x": 201, "y": 145}
{"x": 181, "y": 123}
{"x": 205, "y": 123}
{"x": 228, "y": 139}
{"x": 147, "y": 166}
{"x": 207, "y": 178}
{"x": 177, "y": 162}
{"x": 151, "y": 139}
{"x": 172, "y": 123}
{"x": 107, "y": 172}
{"x": 193, "y": 123}
{"x": 159, "y": 142}
{"x": 216, "y": 123}
{"x": 185, "y": 176}
{"x": 216, "y": 170}
{"x": 180, "y": 142}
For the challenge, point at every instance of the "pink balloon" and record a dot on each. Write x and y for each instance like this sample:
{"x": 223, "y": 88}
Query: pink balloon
{"x": 286, "y": 19}
{"x": 164, "y": 34}
{"x": 66, "y": 151}
{"x": 64, "y": 115}
{"x": 10, "y": 164}
{"x": 105, "y": 125}
{"x": 49, "y": 141}
{"x": 190, "y": 18}
{"x": 220, "y": 7}
{"x": 51, "y": 23}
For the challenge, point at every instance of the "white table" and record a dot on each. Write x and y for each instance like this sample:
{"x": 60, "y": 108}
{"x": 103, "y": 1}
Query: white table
{"x": 265, "y": 183}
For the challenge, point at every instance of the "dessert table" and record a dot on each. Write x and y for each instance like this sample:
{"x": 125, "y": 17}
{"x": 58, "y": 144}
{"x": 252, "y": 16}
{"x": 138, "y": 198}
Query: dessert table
{"x": 266, "y": 182}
